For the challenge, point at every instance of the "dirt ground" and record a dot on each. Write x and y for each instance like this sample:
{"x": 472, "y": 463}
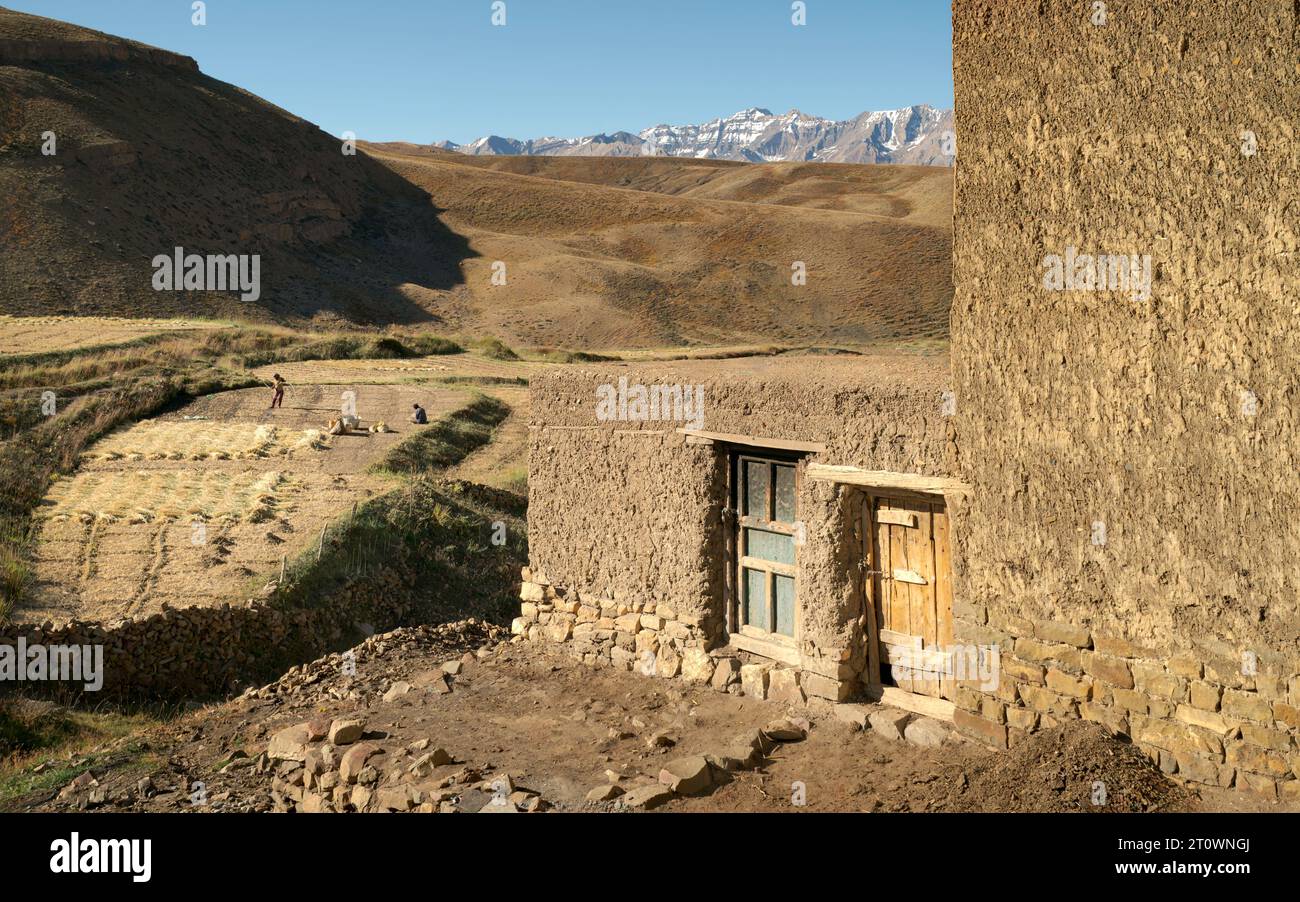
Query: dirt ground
{"x": 559, "y": 729}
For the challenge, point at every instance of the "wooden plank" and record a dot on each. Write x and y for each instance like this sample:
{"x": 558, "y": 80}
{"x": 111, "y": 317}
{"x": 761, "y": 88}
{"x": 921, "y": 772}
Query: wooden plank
{"x": 765, "y": 647}
{"x": 910, "y": 576}
{"x": 943, "y": 590}
{"x": 897, "y": 518}
{"x": 900, "y": 612}
{"x": 730, "y": 572}
{"x": 894, "y": 637}
{"x": 910, "y": 656}
{"x": 937, "y": 708}
{"x": 758, "y": 563}
{"x": 870, "y": 588}
{"x": 924, "y": 683}
{"x": 755, "y": 441}
{"x": 886, "y": 479}
{"x": 911, "y": 592}
{"x": 922, "y": 541}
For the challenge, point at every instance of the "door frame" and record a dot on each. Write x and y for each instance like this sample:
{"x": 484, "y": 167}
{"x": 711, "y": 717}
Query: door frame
{"x": 767, "y": 644}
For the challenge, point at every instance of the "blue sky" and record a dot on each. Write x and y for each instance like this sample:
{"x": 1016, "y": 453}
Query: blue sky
{"x": 425, "y": 70}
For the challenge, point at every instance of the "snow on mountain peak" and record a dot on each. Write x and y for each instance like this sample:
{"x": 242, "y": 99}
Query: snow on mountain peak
{"x": 908, "y": 135}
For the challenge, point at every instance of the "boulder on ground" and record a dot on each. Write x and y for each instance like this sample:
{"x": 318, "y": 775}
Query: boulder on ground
{"x": 354, "y": 761}
{"x": 889, "y": 722}
{"x": 853, "y": 715}
{"x": 926, "y": 732}
{"x": 397, "y": 690}
{"x": 753, "y": 680}
{"x": 697, "y": 666}
{"x": 785, "y": 731}
{"x": 290, "y": 744}
{"x": 604, "y": 793}
{"x": 687, "y": 776}
{"x": 346, "y": 730}
{"x": 647, "y": 797}
{"x": 726, "y": 672}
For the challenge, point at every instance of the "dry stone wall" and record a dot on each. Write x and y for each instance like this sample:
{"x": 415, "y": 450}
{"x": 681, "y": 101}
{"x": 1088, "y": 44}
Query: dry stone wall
{"x": 1134, "y": 525}
{"x": 199, "y": 652}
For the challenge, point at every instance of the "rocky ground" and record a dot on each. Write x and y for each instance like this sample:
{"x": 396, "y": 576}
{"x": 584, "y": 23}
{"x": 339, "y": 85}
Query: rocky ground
{"x": 453, "y": 718}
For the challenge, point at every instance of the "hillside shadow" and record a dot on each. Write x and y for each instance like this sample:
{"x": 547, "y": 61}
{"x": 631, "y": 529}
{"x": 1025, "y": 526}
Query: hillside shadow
{"x": 154, "y": 157}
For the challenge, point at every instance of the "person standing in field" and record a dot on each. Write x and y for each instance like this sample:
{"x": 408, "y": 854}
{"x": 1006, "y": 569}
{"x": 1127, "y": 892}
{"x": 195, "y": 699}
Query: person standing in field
{"x": 277, "y": 400}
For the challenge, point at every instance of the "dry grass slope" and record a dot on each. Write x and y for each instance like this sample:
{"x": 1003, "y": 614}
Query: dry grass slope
{"x": 630, "y": 253}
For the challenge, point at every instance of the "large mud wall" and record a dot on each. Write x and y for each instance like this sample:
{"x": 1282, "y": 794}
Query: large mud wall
{"x": 1134, "y": 461}
{"x": 629, "y": 515}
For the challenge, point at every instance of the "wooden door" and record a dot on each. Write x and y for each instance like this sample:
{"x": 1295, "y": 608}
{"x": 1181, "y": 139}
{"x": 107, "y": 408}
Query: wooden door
{"x": 911, "y": 588}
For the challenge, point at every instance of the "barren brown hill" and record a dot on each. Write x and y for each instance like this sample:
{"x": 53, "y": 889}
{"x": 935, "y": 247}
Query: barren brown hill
{"x": 626, "y": 252}
{"x": 917, "y": 194}
{"x": 153, "y": 155}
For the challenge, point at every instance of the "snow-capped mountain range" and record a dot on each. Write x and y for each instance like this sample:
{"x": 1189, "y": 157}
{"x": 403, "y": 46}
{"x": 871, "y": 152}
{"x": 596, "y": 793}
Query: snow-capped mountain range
{"x": 912, "y": 135}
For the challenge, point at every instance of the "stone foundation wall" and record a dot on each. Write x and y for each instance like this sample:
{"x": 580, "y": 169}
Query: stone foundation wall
{"x": 654, "y": 640}
{"x": 1204, "y": 718}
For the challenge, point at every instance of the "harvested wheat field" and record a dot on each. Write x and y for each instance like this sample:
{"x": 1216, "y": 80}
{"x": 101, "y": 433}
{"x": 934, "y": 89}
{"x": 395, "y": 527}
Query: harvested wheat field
{"x": 384, "y": 372}
{"x": 199, "y": 506}
{"x": 38, "y": 334}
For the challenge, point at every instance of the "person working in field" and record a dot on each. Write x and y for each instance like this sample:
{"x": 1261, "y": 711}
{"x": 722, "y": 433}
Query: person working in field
{"x": 277, "y": 400}
{"x": 419, "y": 417}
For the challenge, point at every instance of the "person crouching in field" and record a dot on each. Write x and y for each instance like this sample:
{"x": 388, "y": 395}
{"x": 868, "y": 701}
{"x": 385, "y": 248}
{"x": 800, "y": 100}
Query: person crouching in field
{"x": 419, "y": 417}
{"x": 277, "y": 399}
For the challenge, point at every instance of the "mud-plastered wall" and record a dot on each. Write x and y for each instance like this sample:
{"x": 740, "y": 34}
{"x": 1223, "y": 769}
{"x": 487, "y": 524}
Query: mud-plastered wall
{"x": 626, "y": 517}
{"x": 1125, "y": 356}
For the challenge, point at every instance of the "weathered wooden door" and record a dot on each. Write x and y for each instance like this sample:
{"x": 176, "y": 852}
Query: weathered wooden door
{"x": 911, "y": 585}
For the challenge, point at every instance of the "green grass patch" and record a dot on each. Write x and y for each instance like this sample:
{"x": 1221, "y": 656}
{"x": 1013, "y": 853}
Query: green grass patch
{"x": 352, "y": 347}
{"x": 44, "y": 745}
{"x": 560, "y": 355}
{"x": 494, "y": 348}
{"x": 478, "y": 380}
{"x": 447, "y": 441}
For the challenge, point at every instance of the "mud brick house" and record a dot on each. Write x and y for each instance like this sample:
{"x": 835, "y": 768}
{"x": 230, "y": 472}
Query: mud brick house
{"x": 1107, "y": 504}
{"x": 756, "y": 532}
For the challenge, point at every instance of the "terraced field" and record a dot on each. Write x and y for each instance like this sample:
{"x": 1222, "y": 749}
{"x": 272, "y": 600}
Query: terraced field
{"x": 181, "y": 440}
{"x": 200, "y": 505}
{"x": 384, "y": 372}
{"x": 37, "y": 334}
